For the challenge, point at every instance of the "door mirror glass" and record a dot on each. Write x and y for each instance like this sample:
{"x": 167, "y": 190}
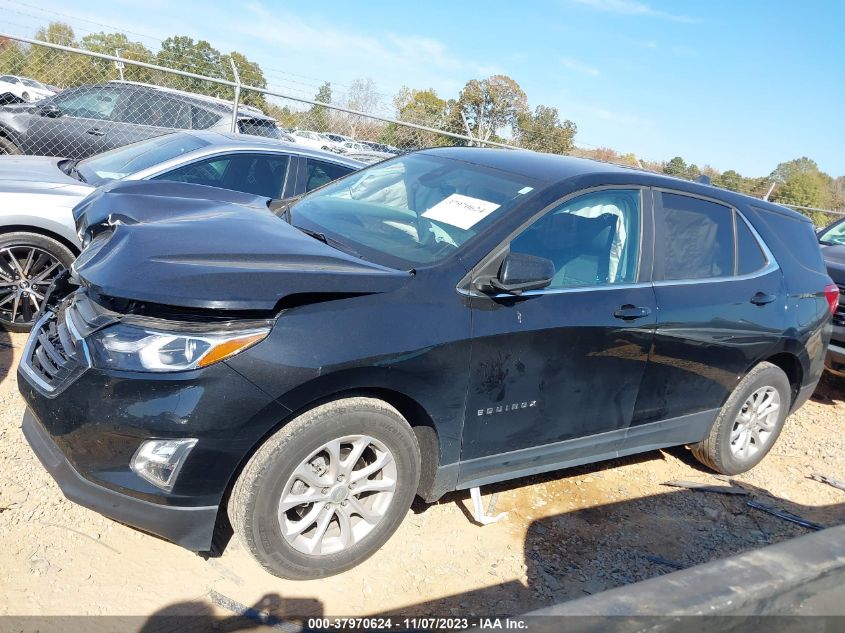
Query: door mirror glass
{"x": 520, "y": 272}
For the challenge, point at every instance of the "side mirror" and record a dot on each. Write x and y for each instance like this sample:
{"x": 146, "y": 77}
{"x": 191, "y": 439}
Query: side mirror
{"x": 50, "y": 110}
{"x": 520, "y": 272}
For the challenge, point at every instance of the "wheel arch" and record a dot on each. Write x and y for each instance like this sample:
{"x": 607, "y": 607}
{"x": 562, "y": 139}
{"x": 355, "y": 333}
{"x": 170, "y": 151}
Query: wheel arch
{"x": 791, "y": 365}
{"x": 39, "y": 230}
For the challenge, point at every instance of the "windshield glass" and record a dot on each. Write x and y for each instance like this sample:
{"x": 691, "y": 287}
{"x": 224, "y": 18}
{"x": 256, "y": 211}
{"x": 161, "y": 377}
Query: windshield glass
{"x": 834, "y": 235}
{"x": 32, "y": 83}
{"x": 415, "y": 210}
{"x": 126, "y": 160}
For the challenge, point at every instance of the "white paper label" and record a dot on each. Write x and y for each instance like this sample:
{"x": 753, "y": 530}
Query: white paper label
{"x": 461, "y": 211}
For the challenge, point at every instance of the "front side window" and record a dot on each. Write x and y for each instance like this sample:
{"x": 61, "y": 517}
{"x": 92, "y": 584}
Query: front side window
{"x": 833, "y": 235}
{"x": 592, "y": 239}
{"x": 258, "y": 174}
{"x": 319, "y": 173}
{"x": 87, "y": 103}
{"x": 129, "y": 159}
{"x": 413, "y": 210}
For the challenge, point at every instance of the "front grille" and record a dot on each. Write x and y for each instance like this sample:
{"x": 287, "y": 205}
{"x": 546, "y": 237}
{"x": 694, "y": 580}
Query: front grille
{"x": 52, "y": 353}
{"x": 839, "y": 315}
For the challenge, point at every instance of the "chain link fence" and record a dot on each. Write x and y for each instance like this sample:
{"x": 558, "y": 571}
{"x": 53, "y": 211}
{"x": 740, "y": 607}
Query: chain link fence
{"x": 68, "y": 102}
{"x": 63, "y": 101}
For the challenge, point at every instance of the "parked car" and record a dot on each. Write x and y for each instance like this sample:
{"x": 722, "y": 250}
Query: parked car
{"x": 38, "y": 238}
{"x": 24, "y": 87}
{"x": 832, "y": 240}
{"x": 439, "y": 321}
{"x": 382, "y": 147}
{"x": 87, "y": 120}
{"x": 314, "y": 140}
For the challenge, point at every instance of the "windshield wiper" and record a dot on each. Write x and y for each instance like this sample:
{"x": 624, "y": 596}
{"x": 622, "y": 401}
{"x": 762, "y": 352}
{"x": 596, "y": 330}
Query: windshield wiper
{"x": 329, "y": 241}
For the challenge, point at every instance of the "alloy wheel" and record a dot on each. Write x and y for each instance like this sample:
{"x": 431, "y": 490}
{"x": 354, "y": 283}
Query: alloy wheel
{"x": 338, "y": 495}
{"x": 25, "y": 274}
{"x": 756, "y": 422}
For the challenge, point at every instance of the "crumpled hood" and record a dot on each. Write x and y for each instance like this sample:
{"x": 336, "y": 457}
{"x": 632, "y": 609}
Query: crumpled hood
{"x": 201, "y": 247}
{"x": 37, "y": 174}
{"x": 834, "y": 258}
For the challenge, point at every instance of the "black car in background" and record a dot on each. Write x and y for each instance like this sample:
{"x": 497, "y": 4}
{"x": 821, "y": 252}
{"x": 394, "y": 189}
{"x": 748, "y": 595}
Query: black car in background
{"x": 832, "y": 240}
{"x": 86, "y": 120}
{"x": 438, "y": 321}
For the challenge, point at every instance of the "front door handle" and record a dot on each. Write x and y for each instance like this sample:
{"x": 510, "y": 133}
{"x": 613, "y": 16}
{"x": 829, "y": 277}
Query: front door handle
{"x": 761, "y": 299}
{"x": 630, "y": 312}
{"x": 95, "y": 131}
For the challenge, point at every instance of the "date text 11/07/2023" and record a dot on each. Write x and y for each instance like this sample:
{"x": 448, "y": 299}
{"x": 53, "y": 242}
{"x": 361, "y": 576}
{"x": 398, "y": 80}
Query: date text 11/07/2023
{"x": 416, "y": 624}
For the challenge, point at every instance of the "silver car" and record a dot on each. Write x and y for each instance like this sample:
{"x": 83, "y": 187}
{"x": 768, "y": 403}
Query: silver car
{"x": 37, "y": 233}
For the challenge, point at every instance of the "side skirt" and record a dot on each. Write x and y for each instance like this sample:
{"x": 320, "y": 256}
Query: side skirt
{"x": 575, "y": 452}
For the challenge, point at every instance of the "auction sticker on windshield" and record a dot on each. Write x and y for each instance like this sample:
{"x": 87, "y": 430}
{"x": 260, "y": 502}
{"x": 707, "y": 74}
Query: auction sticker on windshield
{"x": 461, "y": 211}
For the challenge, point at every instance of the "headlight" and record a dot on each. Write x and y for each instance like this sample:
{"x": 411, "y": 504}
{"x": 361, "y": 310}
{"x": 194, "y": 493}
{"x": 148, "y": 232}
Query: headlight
{"x": 133, "y": 348}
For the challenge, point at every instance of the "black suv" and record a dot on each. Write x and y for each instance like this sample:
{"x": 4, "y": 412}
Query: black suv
{"x": 439, "y": 321}
{"x": 86, "y": 120}
{"x": 832, "y": 239}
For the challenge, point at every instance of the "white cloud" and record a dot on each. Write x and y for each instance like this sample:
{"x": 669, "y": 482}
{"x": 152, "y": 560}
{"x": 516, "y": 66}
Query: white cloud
{"x": 637, "y": 8}
{"x": 579, "y": 67}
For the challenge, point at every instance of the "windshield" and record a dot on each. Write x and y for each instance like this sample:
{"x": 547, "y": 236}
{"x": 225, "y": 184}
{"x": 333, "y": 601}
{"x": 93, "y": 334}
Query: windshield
{"x": 126, "y": 160}
{"x": 834, "y": 235}
{"x": 415, "y": 210}
{"x": 32, "y": 83}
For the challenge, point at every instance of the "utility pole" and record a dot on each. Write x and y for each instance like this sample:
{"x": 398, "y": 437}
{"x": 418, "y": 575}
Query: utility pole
{"x": 769, "y": 192}
{"x": 234, "y": 128}
{"x": 118, "y": 65}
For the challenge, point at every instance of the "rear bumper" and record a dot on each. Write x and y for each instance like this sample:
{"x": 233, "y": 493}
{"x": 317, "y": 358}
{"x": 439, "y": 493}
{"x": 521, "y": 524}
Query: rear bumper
{"x": 835, "y": 359}
{"x": 190, "y": 527}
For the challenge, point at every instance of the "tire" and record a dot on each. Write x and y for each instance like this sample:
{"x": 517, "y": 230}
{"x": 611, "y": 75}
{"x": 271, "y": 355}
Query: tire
{"x": 271, "y": 475}
{"x": 8, "y": 147}
{"x": 722, "y": 449}
{"x": 49, "y": 258}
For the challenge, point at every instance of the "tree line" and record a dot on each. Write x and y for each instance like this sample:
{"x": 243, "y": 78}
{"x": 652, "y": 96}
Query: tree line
{"x": 492, "y": 109}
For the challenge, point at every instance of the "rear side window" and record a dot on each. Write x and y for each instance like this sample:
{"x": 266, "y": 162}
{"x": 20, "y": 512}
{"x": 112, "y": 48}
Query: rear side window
{"x": 749, "y": 255}
{"x": 698, "y": 238}
{"x": 319, "y": 172}
{"x": 797, "y": 237}
{"x": 157, "y": 111}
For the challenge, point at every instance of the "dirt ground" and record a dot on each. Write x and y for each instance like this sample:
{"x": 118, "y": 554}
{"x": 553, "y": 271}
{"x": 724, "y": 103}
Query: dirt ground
{"x": 567, "y": 534}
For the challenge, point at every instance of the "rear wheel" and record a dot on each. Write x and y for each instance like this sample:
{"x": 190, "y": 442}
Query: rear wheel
{"x": 749, "y": 423}
{"x": 29, "y": 263}
{"x": 327, "y": 490}
{"x": 8, "y": 147}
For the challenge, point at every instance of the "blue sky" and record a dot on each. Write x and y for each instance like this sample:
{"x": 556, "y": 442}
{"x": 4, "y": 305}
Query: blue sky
{"x": 737, "y": 85}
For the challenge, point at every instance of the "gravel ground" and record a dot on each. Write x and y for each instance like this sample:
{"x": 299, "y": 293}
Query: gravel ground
{"x": 567, "y": 534}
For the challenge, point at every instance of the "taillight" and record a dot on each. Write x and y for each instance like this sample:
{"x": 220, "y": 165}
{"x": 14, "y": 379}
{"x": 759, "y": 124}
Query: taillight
{"x": 831, "y": 293}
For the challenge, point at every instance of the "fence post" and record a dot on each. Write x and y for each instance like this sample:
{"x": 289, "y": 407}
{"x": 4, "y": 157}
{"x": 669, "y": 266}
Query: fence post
{"x": 237, "y": 96}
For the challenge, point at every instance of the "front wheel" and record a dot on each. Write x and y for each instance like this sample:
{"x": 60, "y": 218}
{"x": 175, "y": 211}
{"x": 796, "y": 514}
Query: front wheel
{"x": 749, "y": 422}
{"x": 328, "y": 490}
{"x": 29, "y": 263}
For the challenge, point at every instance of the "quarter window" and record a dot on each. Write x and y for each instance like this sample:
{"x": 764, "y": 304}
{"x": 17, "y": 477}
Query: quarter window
{"x": 749, "y": 256}
{"x": 592, "y": 240}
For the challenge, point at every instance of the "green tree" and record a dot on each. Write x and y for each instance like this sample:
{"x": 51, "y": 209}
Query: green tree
{"x": 491, "y": 104}
{"x": 109, "y": 44}
{"x": 543, "y": 131}
{"x": 808, "y": 189}
{"x": 730, "y": 179}
{"x": 422, "y": 107}
{"x": 55, "y": 67}
{"x": 317, "y": 118}
{"x": 676, "y": 167}
{"x": 250, "y": 74}
{"x": 12, "y": 57}
{"x": 785, "y": 171}
{"x": 181, "y": 52}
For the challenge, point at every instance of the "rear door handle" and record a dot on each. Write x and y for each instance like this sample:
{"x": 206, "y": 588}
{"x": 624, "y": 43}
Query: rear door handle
{"x": 629, "y": 312}
{"x": 761, "y": 299}
{"x": 95, "y": 131}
